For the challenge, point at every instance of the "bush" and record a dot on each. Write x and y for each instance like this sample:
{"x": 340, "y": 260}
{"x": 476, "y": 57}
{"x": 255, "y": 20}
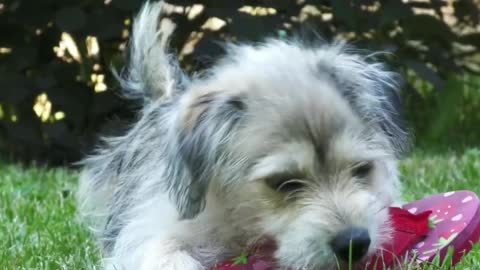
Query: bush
{"x": 57, "y": 91}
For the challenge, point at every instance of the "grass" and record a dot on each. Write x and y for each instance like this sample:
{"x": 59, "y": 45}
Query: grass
{"x": 38, "y": 229}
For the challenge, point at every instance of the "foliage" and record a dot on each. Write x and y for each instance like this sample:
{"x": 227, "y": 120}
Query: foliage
{"x": 449, "y": 118}
{"x": 75, "y": 94}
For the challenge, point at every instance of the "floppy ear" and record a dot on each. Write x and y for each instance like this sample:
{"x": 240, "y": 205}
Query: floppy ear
{"x": 207, "y": 126}
{"x": 376, "y": 98}
{"x": 391, "y": 116}
{"x": 372, "y": 91}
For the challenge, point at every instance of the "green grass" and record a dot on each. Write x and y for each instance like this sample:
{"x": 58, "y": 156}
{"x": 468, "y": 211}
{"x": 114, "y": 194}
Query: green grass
{"x": 38, "y": 229}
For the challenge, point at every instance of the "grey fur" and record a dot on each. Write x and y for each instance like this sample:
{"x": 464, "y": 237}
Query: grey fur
{"x": 201, "y": 153}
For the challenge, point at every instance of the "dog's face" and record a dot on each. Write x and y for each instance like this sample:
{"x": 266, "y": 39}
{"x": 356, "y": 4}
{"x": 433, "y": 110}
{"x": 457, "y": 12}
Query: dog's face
{"x": 299, "y": 145}
{"x": 314, "y": 180}
{"x": 313, "y": 185}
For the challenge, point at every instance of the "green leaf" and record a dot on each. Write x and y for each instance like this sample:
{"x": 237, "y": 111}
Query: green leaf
{"x": 426, "y": 73}
{"x": 393, "y": 10}
{"x": 427, "y": 28}
{"x": 344, "y": 11}
{"x": 70, "y": 19}
{"x": 242, "y": 259}
{"x": 471, "y": 39}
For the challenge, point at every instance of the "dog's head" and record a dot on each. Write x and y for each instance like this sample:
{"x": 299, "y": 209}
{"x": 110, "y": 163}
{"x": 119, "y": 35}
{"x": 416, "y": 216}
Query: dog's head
{"x": 297, "y": 143}
{"x": 300, "y": 144}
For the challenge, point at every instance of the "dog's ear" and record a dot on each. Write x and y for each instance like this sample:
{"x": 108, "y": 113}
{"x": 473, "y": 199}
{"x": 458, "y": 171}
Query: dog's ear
{"x": 207, "y": 125}
{"x": 372, "y": 91}
{"x": 375, "y": 96}
{"x": 391, "y": 116}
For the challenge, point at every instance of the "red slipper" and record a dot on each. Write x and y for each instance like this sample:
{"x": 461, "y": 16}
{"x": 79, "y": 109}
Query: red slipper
{"x": 422, "y": 231}
{"x": 455, "y": 224}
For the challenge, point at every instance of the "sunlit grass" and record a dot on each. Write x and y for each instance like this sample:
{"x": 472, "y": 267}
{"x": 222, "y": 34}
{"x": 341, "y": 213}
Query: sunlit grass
{"x": 38, "y": 229}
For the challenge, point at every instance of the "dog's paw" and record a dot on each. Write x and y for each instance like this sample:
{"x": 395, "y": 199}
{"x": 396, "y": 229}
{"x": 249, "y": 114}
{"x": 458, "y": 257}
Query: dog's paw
{"x": 154, "y": 255}
{"x": 178, "y": 260}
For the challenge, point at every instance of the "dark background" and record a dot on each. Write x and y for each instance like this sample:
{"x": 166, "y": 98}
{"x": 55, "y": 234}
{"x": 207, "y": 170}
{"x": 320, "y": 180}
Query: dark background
{"x": 57, "y": 93}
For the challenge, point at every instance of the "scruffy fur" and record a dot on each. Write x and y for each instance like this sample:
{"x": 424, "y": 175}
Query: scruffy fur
{"x": 188, "y": 185}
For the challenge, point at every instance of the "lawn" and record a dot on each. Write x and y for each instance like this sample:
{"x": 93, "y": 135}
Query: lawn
{"x": 38, "y": 229}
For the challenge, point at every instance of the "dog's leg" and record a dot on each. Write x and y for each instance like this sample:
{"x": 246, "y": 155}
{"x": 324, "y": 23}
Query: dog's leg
{"x": 153, "y": 239}
{"x": 154, "y": 254}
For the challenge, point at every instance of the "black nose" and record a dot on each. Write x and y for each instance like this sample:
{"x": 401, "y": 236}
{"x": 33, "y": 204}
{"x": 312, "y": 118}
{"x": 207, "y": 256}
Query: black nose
{"x": 359, "y": 240}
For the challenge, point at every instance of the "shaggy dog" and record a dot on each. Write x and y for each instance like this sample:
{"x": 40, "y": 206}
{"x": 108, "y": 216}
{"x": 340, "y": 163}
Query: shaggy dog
{"x": 280, "y": 140}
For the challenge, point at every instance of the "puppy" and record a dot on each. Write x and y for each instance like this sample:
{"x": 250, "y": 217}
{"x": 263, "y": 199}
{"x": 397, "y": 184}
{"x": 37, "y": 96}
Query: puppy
{"x": 279, "y": 141}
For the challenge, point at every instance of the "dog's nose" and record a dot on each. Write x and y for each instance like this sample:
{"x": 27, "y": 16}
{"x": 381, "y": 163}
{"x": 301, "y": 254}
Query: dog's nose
{"x": 356, "y": 239}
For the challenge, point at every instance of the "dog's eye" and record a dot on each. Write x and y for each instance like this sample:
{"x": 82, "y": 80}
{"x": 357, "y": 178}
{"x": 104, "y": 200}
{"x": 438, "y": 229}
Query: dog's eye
{"x": 285, "y": 185}
{"x": 362, "y": 170}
